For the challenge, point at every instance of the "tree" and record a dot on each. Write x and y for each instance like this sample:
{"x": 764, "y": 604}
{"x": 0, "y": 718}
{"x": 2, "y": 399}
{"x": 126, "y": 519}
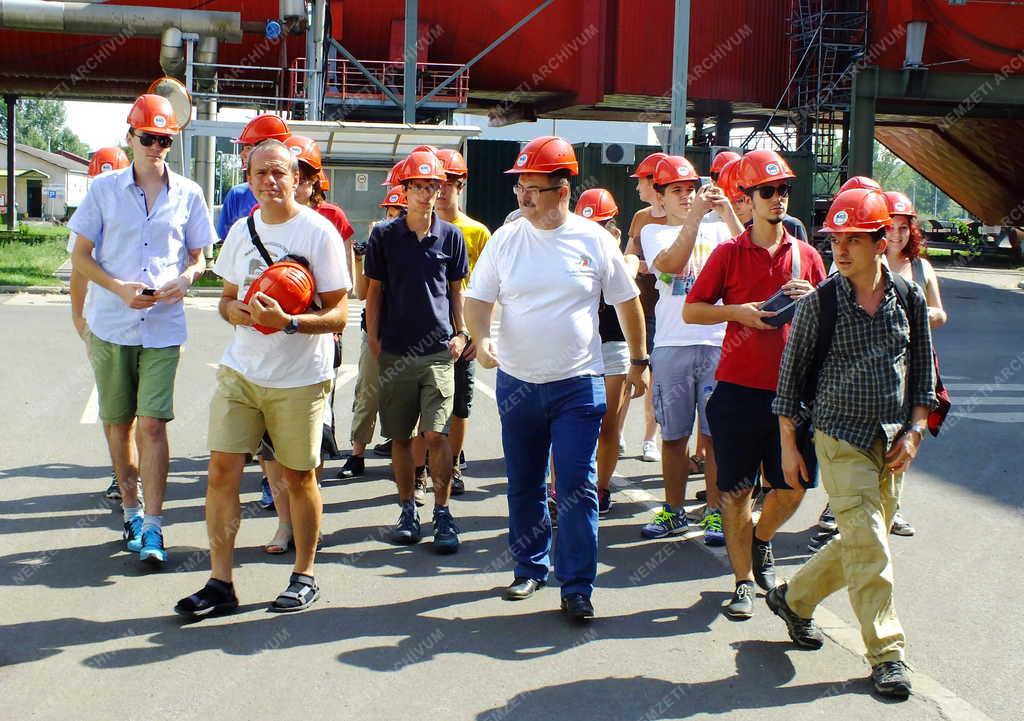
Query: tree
{"x": 41, "y": 124}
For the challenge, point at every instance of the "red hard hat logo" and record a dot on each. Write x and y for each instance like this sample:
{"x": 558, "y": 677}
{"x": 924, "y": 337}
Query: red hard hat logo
{"x": 424, "y": 168}
{"x": 159, "y": 121}
{"x": 900, "y": 206}
{"x": 393, "y": 198}
{"x": 588, "y": 212}
{"x": 840, "y": 217}
{"x": 106, "y": 167}
{"x": 772, "y": 169}
{"x": 521, "y": 160}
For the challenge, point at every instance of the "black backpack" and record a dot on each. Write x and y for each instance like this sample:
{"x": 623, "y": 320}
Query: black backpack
{"x": 827, "y": 299}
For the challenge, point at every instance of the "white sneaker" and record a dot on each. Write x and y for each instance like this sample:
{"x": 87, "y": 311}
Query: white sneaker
{"x": 650, "y": 452}
{"x": 622, "y": 448}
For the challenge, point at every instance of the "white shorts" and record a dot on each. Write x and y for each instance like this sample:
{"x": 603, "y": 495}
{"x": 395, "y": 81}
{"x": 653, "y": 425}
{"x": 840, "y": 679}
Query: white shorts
{"x": 616, "y": 357}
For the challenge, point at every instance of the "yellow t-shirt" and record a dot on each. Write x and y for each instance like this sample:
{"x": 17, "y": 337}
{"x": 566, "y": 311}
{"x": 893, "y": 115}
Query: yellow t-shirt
{"x": 476, "y": 235}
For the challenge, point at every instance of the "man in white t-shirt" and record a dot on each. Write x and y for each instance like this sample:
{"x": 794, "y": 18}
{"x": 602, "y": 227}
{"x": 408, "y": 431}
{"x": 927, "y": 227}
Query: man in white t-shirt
{"x": 685, "y": 356}
{"x": 548, "y": 271}
{"x": 275, "y": 383}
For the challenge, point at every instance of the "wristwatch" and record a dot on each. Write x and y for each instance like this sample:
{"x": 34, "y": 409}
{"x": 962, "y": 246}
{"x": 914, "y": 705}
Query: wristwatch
{"x": 920, "y": 427}
{"x": 644, "y": 362}
{"x": 464, "y": 334}
{"x": 292, "y": 327}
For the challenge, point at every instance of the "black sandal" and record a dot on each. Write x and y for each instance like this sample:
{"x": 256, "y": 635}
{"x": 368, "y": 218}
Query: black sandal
{"x": 216, "y": 598}
{"x": 301, "y": 593}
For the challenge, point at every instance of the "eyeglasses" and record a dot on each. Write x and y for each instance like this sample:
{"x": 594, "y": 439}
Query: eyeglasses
{"x": 423, "y": 188}
{"x": 533, "y": 190}
{"x": 769, "y": 191}
{"x": 147, "y": 139}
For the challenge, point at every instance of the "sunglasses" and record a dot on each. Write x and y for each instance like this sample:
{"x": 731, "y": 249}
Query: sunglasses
{"x": 769, "y": 191}
{"x": 147, "y": 139}
{"x": 530, "y": 191}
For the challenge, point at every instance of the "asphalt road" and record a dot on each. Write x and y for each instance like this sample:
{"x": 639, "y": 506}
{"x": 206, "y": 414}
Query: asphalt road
{"x": 86, "y": 632}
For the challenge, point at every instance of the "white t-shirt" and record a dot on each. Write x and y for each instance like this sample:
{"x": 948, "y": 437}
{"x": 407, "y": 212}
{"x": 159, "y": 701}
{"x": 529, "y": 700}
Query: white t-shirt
{"x": 670, "y": 328}
{"x": 280, "y": 360}
{"x": 549, "y": 284}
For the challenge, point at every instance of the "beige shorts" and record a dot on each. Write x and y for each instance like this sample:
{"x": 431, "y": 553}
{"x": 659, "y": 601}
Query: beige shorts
{"x": 414, "y": 387}
{"x": 241, "y": 411}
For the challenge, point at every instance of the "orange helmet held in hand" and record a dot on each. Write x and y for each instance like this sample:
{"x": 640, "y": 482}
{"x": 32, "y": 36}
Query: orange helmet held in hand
{"x": 395, "y": 198}
{"x": 107, "y": 159}
{"x": 645, "y": 168}
{"x": 263, "y": 127}
{"x": 288, "y": 282}
{"x": 674, "y": 169}
{"x": 597, "y": 204}
{"x": 860, "y": 181}
{"x": 858, "y": 210}
{"x": 418, "y": 165}
{"x": 153, "y": 114}
{"x": 546, "y": 154}
{"x": 727, "y": 181}
{"x": 762, "y": 166}
{"x": 306, "y": 150}
{"x": 722, "y": 159}
{"x": 454, "y": 163}
{"x": 899, "y": 204}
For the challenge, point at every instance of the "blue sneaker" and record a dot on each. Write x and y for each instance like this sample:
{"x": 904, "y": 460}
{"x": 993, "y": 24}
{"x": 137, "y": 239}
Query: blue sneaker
{"x": 153, "y": 546}
{"x": 266, "y": 501}
{"x": 133, "y": 534}
{"x": 446, "y": 533}
{"x": 712, "y": 525}
{"x": 665, "y": 523}
{"x": 407, "y": 531}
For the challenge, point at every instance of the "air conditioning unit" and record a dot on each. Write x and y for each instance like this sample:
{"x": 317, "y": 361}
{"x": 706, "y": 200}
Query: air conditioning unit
{"x": 618, "y": 153}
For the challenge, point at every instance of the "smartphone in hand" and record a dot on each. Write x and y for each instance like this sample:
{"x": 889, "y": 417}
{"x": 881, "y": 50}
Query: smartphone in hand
{"x": 149, "y": 291}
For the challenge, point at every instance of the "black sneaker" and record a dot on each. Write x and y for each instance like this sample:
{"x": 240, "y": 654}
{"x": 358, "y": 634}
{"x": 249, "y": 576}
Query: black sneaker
{"x": 819, "y": 540}
{"x": 604, "y": 501}
{"x": 214, "y": 599}
{"x": 354, "y": 467}
{"x": 890, "y": 679}
{"x": 741, "y": 606}
{"x": 383, "y": 449}
{"x": 577, "y": 607}
{"x": 827, "y": 519}
{"x": 462, "y": 461}
{"x": 458, "y": 485}
{"x": 803, "y": 631}
{"x": 764, "y": 563}
{"x": 446, "y": 533}
{"x": 113, "y": 492}
{"x": 407, "y": 531}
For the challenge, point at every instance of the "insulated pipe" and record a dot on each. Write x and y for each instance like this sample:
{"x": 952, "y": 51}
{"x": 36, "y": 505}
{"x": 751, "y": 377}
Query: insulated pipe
{"x": 317, "y": 78}
{"x": 172, "y": 58}
{"x": 206, "y": 146}
{"x": 99, "y": 19}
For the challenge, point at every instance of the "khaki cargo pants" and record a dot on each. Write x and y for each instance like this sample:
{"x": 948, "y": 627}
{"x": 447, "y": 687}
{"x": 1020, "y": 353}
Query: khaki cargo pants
{"x": 864, "y": 496}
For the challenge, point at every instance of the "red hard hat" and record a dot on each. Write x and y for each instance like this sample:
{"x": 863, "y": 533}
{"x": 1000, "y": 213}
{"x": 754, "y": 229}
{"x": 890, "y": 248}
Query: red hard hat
{"x": 263, "y": 127}
{"x": 395, "y": 198}
{"x": 454, "y": 163}
{"x": 762, "y": 166}
{"x": 426, "y": 148}
{"x": 722, "y": 159}
{"x": 597, "y": 204}
{"x": 860, "y": 181}
{"x": 289, "y": 283}
{"x": 305, "y": 149}
{"x": 727, "y": 180}
{"x": 153, "y": 114}
{"x": 645, "y": 168}
{"x": 546, "y": 154}
{"x": 899, "y": 204}
{"x": 418, "y": 165}
{"x": 325, "y": 183}
{"x": 859, "y": 210}
{"x": 674, "y": 169}
{"x": 389, "y": 178}
{"x": 106, "y": 159}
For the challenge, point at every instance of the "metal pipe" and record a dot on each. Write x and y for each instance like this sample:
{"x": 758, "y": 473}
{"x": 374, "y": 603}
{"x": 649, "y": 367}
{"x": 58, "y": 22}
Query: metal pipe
{"x": 172, "y": 58}
{"x": 12, "y": 139}
{"x": 316, "y": 85}
{"x": 680, "y": 68}
{"x": 99, "y": 19}
{"x": 410, "y": 56}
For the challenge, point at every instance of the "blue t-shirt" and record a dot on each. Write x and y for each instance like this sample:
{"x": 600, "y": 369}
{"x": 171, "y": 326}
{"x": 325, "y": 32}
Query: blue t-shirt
{"x": 238, "y": 203}
{"x": 416, "y": 316}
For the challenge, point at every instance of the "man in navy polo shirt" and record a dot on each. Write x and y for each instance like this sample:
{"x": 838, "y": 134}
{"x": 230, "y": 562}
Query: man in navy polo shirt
{"x": 414, "y": 266}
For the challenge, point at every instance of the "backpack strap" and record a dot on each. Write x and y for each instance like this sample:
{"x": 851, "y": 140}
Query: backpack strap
{"x": 827, "y": 303}
{"x": 903, "y": 290}
{"x": 257, "y": 242}
{"x": 794, "y": 258}
{"x": 917, "y": 270}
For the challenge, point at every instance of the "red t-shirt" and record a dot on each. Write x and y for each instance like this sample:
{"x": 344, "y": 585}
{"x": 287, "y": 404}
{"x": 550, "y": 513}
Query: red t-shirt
{"x": 740, "y": 272}
{"x": 337, "y": 217}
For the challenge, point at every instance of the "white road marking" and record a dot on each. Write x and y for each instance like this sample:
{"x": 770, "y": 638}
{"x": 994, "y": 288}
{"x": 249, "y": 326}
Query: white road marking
{"x": 1008, "y": 417}
{"x": 91, "y": 413}
{"x": 485, "y": 389}
{"x": 985, "y": 386}
{"x": 996, "y": 401}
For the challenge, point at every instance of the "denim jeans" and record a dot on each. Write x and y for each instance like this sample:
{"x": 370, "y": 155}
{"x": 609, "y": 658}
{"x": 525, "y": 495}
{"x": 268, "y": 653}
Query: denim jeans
{"x": 560, "y": 419}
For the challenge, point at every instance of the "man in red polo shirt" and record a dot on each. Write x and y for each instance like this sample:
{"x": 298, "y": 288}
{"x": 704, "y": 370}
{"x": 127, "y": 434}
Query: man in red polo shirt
{"x": 742, "y": 273}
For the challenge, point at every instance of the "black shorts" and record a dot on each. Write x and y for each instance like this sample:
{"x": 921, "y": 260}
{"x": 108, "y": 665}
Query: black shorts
{"x": 465, "y": 370}
{"x": 746, "y": 434}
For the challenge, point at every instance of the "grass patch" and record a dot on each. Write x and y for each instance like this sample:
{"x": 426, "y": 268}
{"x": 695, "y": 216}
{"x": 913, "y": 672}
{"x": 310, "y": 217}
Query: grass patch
{"x": 31, "y": 255}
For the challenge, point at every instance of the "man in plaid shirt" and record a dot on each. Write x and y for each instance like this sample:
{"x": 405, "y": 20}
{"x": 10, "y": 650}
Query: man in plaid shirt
{"x": 874, "y": 390}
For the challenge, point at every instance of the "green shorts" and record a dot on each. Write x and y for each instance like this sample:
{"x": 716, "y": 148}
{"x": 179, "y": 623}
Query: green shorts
{"x": 414, "y": 387}
{"x": 133, "y": 381}
{"x": 241, "y": 411}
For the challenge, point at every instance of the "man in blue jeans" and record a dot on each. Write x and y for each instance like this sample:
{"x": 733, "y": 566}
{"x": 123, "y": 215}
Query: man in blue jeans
{"x": 548, "y": 269}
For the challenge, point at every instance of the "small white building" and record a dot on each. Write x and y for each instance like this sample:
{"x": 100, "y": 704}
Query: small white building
{"x": 46, "y": 184}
